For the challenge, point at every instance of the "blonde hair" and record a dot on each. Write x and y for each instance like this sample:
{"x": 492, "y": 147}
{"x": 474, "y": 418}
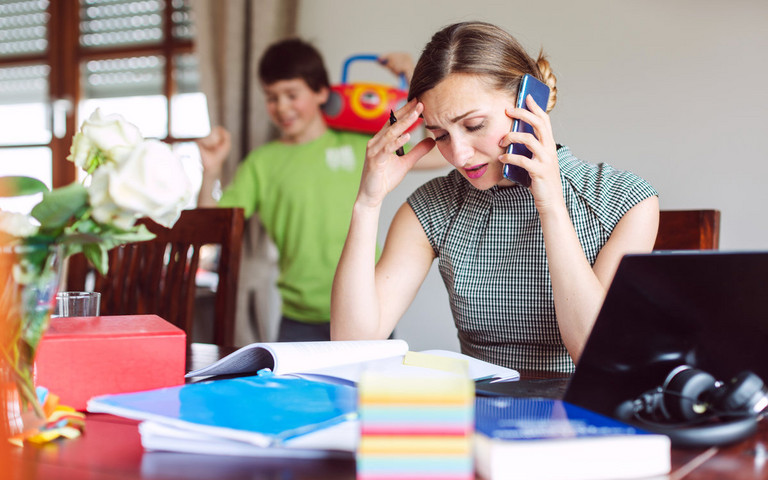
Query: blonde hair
{"x": 482, "y": 49}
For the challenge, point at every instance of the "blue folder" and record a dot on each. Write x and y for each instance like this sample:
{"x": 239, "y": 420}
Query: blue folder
{"x": 263, "y": 409}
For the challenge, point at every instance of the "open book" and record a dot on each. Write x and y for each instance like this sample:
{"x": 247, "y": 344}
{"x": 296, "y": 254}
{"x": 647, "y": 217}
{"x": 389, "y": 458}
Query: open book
{"x": 338, "y": 360}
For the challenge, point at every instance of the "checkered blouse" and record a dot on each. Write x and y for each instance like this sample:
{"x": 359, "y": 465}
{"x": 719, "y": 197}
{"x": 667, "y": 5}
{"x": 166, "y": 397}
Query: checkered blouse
{"x": 491, "y": 256}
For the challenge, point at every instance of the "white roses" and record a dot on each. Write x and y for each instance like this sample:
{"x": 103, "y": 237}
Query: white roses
{"x": 129, "y": 178}
{"x": 132, "y": 177}
{"x": 16, "y": 224}
{"x": 102, "y": 137}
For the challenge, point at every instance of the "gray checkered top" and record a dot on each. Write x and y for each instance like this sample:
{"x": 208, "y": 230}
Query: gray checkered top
{"x": 490, "y": 251}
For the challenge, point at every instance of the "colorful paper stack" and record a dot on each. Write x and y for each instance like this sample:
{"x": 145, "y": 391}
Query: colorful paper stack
{"x": 416, "y": 423}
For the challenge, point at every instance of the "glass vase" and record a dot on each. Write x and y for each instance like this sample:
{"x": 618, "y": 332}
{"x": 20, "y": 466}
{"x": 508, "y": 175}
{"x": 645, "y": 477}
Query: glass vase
{"x": 29, "y": 279}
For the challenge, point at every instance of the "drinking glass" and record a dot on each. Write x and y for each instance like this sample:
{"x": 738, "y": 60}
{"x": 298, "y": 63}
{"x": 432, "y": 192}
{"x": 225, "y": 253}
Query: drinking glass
{"x": 77, "y": 304}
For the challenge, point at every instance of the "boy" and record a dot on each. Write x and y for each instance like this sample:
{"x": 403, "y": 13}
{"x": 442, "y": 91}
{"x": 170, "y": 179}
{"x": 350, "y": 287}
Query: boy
{"x": 302, "y": 185}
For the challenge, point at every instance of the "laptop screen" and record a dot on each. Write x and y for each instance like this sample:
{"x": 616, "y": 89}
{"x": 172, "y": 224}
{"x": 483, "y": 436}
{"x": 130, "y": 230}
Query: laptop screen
{"x": 707, "y": 309}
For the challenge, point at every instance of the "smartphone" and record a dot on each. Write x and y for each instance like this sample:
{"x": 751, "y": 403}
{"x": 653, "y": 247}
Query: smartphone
{"x": 529, "y": 85}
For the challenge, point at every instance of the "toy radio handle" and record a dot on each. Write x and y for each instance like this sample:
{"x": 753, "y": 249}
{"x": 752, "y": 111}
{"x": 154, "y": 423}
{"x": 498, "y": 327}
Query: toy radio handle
{"x": 363, "y": 107}
{"x": 367, "y": 57}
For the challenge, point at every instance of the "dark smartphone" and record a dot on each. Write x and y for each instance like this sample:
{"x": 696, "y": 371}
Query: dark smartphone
{"x": 529, "y": 85}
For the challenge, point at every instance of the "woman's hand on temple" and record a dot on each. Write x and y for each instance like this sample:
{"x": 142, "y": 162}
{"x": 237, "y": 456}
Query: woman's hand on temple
{"x": 383, "y": 169}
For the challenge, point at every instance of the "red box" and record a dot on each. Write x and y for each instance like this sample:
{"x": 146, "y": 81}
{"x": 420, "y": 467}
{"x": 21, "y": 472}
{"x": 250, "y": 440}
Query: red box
{"x": 80, "y": 357}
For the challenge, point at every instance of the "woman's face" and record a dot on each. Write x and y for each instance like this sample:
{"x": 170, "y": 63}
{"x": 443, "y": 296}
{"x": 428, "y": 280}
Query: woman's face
{"x": 468, "y": 121}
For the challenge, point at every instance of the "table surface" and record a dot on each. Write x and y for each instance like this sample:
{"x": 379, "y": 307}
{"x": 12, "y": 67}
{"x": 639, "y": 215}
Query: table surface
{"x": 111, "y": 449}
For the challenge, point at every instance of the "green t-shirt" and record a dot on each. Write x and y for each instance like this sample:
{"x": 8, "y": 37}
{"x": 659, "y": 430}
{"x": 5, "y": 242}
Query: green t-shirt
{"x": 304, "y": 195}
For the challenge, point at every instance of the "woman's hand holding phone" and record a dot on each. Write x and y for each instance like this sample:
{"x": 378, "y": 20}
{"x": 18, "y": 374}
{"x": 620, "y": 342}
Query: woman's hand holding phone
{"x": 530, "y": 86}
{"x": 542, "y": 167}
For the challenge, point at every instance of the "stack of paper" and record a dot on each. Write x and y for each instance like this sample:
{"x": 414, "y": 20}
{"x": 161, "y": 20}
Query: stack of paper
{"x": 415, "y": 424}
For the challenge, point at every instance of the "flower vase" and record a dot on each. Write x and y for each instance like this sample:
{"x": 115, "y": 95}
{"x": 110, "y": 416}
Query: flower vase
{"x": 29, "y": 279}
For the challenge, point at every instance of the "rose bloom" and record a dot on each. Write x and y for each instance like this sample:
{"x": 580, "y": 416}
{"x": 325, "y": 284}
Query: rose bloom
{"x": 110, "y": 134}
{"x": 147, "y": 181}
{"x": 17, "y": 224}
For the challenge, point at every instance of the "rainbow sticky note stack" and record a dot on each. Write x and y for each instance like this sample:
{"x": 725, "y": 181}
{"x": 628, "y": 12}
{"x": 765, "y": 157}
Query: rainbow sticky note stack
{"x": 415, "y": 423}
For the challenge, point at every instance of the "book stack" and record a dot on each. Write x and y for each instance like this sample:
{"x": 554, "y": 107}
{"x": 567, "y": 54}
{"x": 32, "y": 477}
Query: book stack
{"x": 520, "y": 437}
{"x": 416, "y": 426}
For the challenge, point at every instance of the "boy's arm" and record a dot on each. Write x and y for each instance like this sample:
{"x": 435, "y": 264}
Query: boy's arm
{"x": 399, "y": 63}
{"x": 214, "y": 150}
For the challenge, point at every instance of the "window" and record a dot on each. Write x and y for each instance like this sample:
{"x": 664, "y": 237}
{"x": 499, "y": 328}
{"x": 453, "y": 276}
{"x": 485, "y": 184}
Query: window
{"x": 61, "y": 59}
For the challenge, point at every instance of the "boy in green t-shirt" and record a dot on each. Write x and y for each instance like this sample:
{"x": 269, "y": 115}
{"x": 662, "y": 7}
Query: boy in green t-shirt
{"x": 302, "y": 185}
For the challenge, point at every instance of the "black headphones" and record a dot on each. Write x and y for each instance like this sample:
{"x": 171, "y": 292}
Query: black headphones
{"x": 694, "y": 410}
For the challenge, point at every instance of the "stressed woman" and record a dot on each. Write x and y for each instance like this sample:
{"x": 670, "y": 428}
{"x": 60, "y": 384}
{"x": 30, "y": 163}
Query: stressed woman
{"x": 526, "y": 268}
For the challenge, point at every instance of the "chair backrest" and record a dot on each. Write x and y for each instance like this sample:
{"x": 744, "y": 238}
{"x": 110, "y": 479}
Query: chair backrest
{"x": 688, "y": 230}
{"x": 158, "y": 276}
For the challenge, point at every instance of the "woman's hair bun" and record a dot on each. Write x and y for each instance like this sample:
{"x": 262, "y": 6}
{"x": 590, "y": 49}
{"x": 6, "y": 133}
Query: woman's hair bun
{"x": 548, "y": 77}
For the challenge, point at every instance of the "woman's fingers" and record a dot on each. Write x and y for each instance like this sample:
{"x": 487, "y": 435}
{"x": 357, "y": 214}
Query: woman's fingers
{"x": 384, "y": 170}
{"x": 542, "y": 124}
{"x": 417, "y": 152}
{"x": 539, "y": 121}
{"x": 393, "y": 136}
{"x": 541, "y": 144}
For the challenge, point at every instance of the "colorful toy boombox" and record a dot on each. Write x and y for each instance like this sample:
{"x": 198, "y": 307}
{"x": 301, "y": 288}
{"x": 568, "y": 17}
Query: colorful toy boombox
{"x": 363, "y": 107}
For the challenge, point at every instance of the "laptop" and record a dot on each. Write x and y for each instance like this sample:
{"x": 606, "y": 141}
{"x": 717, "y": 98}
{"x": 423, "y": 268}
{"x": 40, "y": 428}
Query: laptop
{"x": 706, "y": 309}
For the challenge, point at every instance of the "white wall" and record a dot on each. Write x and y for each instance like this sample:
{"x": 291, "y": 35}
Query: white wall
{"x": 676, "y": 91}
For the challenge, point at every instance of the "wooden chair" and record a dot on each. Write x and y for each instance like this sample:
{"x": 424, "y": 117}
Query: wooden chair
{"x": 688, "y": 230}
{"x": 158, "y": 276}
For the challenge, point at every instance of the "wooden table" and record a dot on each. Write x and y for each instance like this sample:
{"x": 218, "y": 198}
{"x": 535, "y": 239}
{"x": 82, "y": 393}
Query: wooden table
{"x": 111, "y": 449}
